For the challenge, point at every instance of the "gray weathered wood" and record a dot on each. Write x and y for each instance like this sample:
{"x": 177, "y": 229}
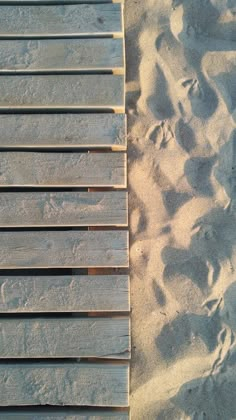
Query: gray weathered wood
{"x": 62, "y": 169}
{"x": 64, "y": 384}
{"x": 63, "y": 130}
{"x": 42, "y": 249}
{"x": 63, "y": 209}
{"x": 62, "y": 91}
{"x": 67, "y": 19}
{"x": 44, "y": 294}
{"x": 57, "y": 1}
{"x": 66, "y": 414}
{"x": 61, "y": 54}
{"x": 60, "y": 337}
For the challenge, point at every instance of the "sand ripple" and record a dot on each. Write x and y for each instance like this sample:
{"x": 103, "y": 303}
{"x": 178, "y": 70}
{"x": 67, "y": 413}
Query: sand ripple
{"x": 181, "y": 100}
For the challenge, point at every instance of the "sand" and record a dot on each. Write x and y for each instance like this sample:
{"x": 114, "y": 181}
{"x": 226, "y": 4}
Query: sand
{"x": 181, "y": 104}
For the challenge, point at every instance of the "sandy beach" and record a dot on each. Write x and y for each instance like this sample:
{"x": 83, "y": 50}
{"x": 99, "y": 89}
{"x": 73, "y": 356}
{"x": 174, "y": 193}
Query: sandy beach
{"x": 181, "y": 105}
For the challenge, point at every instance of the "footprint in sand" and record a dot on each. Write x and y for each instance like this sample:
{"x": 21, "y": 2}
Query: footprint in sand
{"x": 225, "y": 171}
{"x": 198, "y": 172}
{"x": 160, "y": 134}
{"x": 185, "y": 135}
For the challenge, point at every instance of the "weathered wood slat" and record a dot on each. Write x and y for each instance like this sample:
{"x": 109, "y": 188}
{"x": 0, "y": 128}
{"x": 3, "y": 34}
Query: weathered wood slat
{"x": 19, "y": 2}
{"x": 64, "y": 384}
{"x": 59, "y": 338}
{"x": 56, "y": 20}
{"x": 44, "y": 294}
{"x": 63, "y": 209}
{"x": 66, "y": 414}
{"x": 61, "y": 54}
{"x": 43, "y": 249}
{"x": 62, "y": 91}
{"x": 62, "y": 169}
{"x": 63, "y": 130}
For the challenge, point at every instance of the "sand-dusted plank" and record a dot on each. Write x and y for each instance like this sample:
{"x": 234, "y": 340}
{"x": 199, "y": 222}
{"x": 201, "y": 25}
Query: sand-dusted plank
{"x": 57, "y": 1}
{"x": 62, "y": 169}
{"x": 44, "y": 294}
{"x": 62, "y": 91}
{"x": 64, "y": 384}
{"x": 61, "y": 54}
{"x": 42, "y": 249}
{"x": 56, "y": 20}
{"x": 63, "y": 130}
{"x": 65, "y": 414}
{"x": 61, "y": 337}
{"x": 63, "y": 209}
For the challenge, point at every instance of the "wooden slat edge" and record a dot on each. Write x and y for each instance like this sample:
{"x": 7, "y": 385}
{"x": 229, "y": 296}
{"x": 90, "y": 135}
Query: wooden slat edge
{"x": 63, "y": 249}
{"x": 41, "y": 169}
{"x": 70, "y": 384}
{"x": 62, "y": 92}
{"x": 61, "y": 294}
{"x": 49, "y": 209}
{"x": 74, "y": 20}
{"x": 82, "y": 55}
{"x": 59, "y": 2}
{"x": 46, "y": 338}
{"x": 63, "y": 131}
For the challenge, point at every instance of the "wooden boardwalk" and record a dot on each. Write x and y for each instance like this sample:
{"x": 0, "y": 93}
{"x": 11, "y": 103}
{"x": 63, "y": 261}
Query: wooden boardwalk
{"x": 64, "y": 254}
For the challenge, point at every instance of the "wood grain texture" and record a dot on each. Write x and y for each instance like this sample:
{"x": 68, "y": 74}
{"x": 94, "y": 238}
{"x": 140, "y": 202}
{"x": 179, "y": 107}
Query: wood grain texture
{"x": 65, "y": 414}
{"x": 97, "y": 91}
{"x": 60, "y": 338}
{"x": 45, "y": 249}
{"x": 44, "y": 294}
{"x": 66, "y": 19}
{"x": 63, "y": 130}
{"x": 61, "y": 54}
{"x": 64, "y": 384}
{"x": 63, "y": 209}
{"x": 43, "y": 2}
{"x": 62, "y": 169}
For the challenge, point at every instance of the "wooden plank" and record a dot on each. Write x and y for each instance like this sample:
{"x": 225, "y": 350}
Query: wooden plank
{"x": 64, "y": 384}
{"x": 81, "y": 91}
{"x": 61, "y": 55}
{"x": 34, "y": 169}
{"x": 67, "y": 414}
{"x": 63, "y": 130}
{"x": 60, "y": 338}
{"x": 44, "y": 294}
{"x": 60, "y": 20}
{"x": 22, "y": 2}
{"x": 63, "y": 209}
{"x": 81, "y": 249}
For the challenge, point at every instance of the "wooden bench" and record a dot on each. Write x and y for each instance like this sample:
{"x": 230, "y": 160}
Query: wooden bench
{"x": 64, "y": 285}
